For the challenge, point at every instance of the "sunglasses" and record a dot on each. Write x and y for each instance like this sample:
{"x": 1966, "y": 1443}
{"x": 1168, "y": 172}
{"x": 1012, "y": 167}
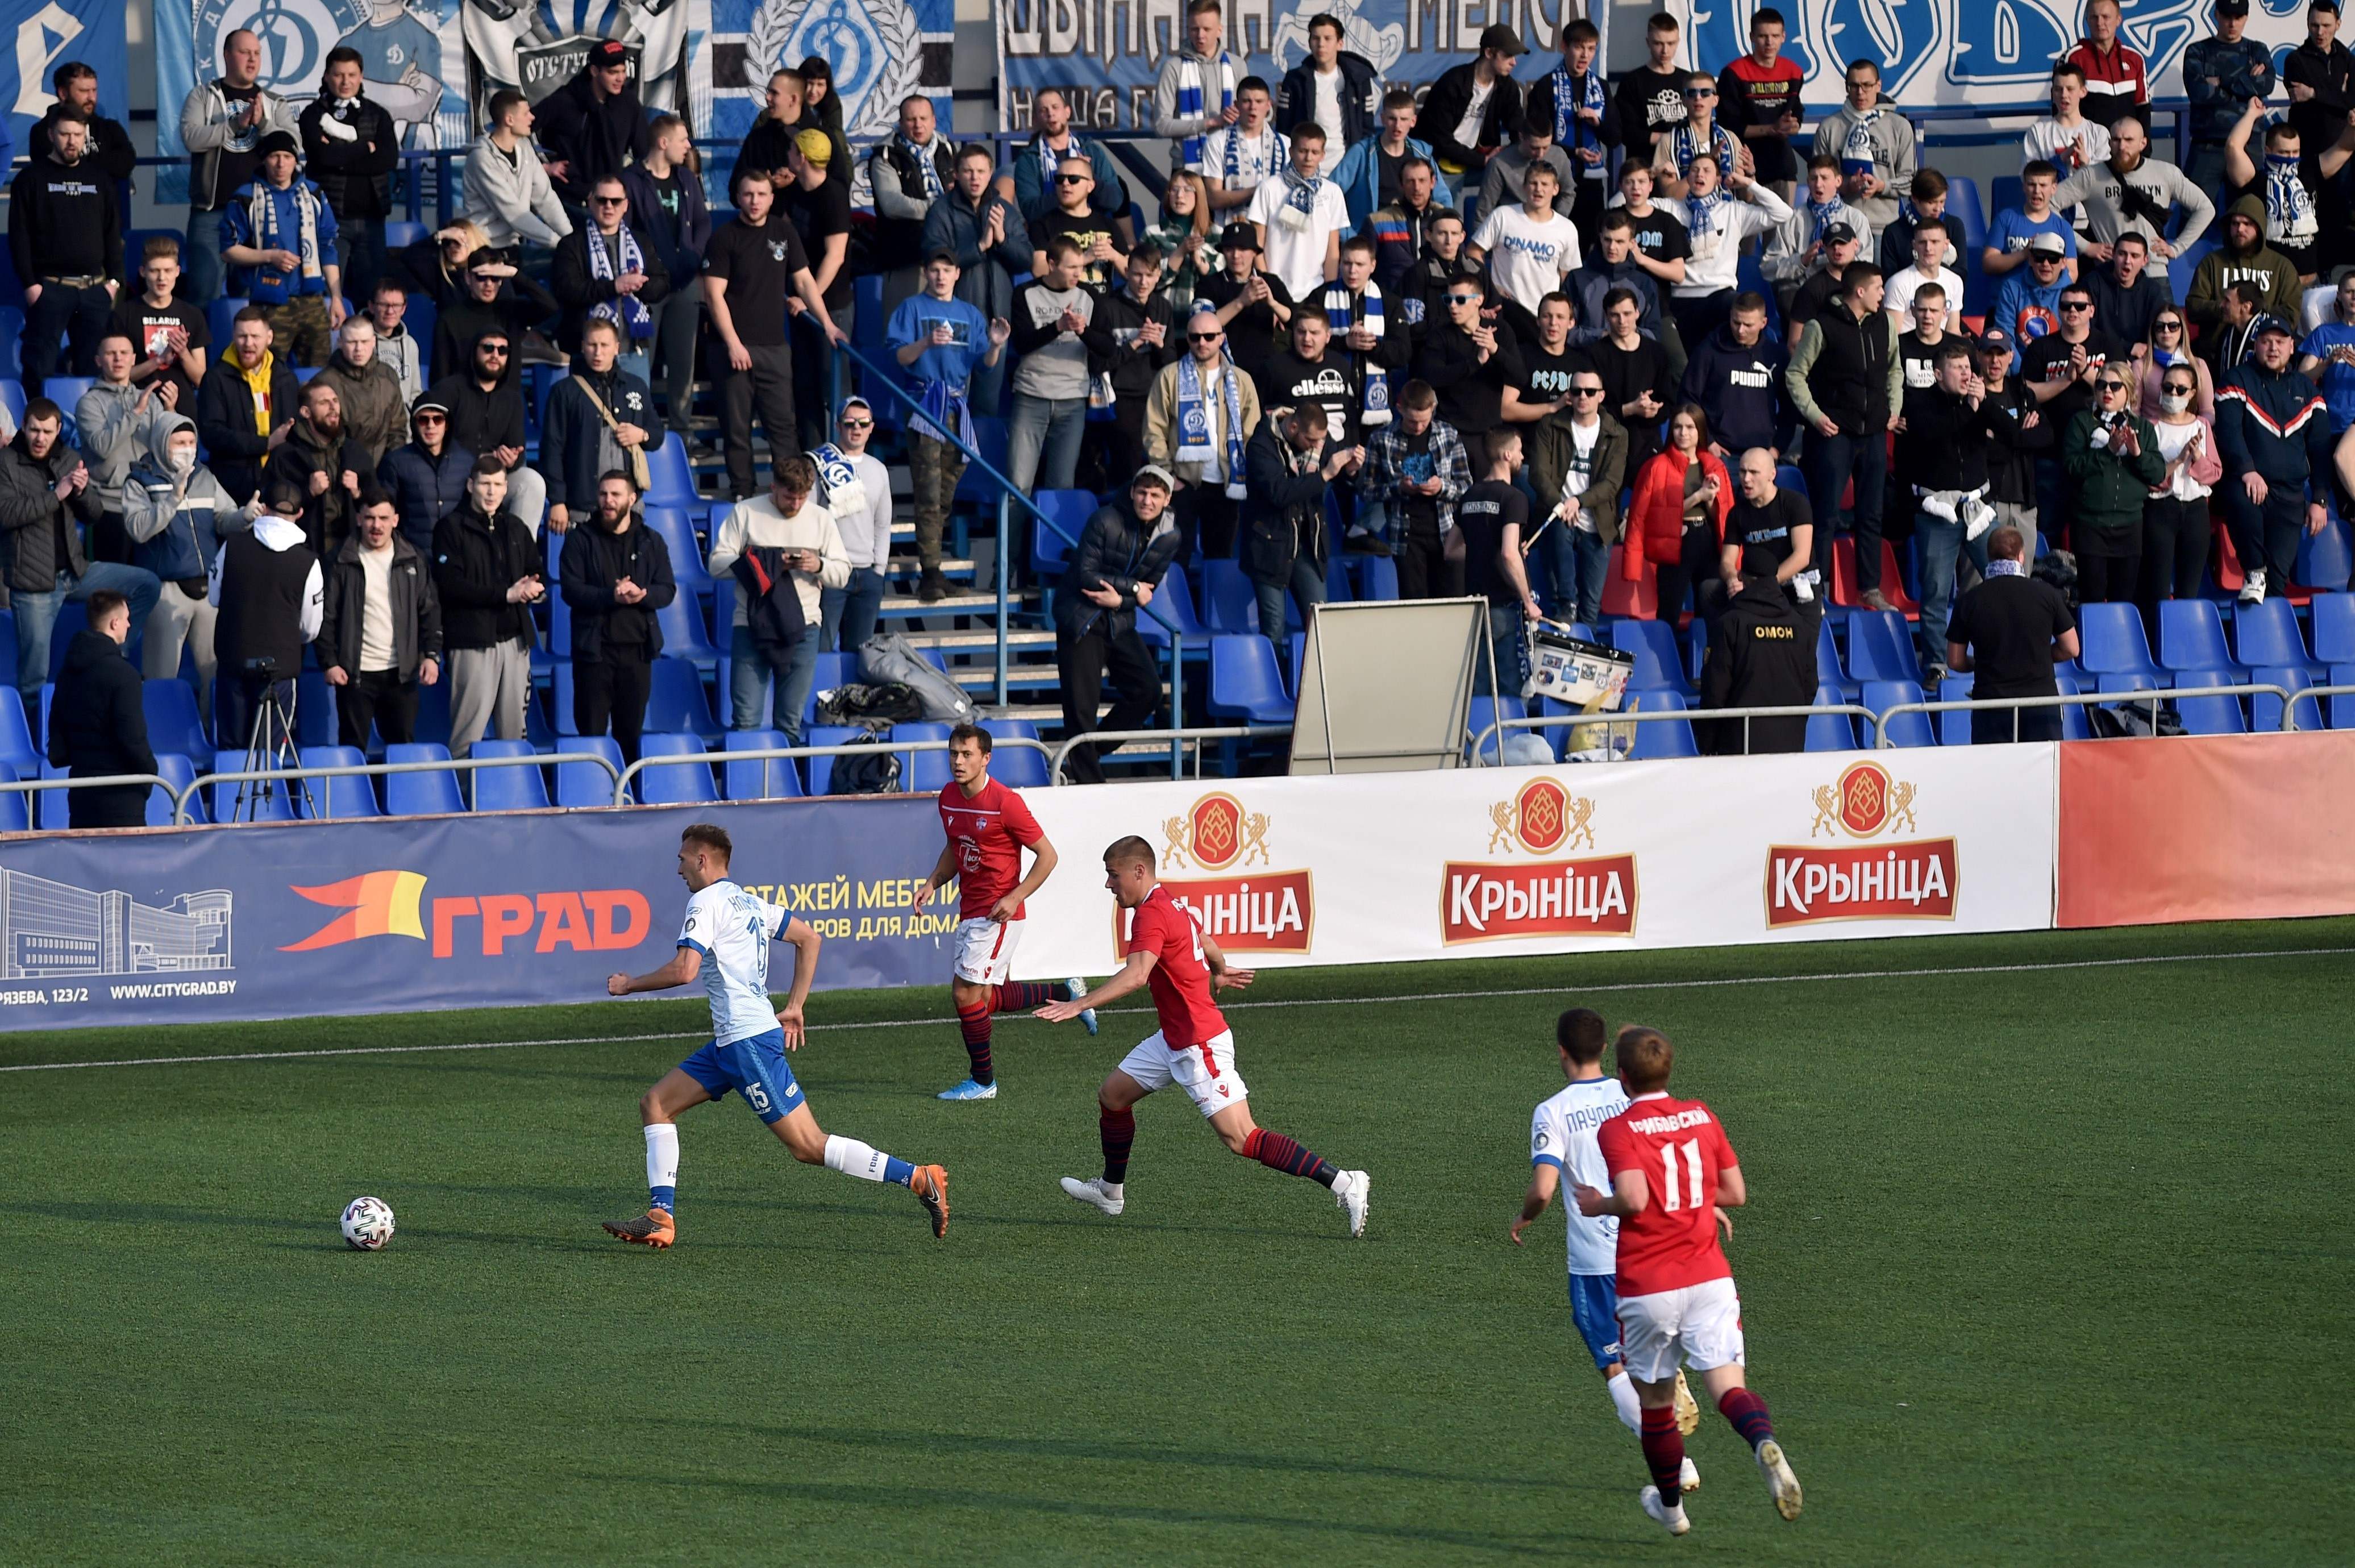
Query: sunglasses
{"x": 432, "y": 419}
{"x": 2178, "y": 389}
{"x": 1463, "y": 299}
{"x": 2114, "y": 386}
{"x": 2166, "y": 327}
{"x": 1204, "y": 337}
{"x": 1701, "y": 93}
{"x": 1586, "y": 392}
{"x": 497, "y": 350}
{"x": 2076, "y": 305}
{"x": 858, "y": 424}
{"x": 1072, "y": 179}
{"x": 609, "y": 200}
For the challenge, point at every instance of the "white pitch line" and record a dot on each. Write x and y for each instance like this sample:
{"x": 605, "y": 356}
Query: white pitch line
{"x": 1233, "y": 1006}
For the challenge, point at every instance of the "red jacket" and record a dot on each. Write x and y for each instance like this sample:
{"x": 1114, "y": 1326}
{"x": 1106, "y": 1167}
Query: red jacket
{"x": 1657, "y": 516}
{"x": 2113, "y": 85}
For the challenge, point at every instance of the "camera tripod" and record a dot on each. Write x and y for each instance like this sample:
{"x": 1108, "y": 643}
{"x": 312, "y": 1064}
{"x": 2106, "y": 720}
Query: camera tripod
{"x": 272, "y": 747}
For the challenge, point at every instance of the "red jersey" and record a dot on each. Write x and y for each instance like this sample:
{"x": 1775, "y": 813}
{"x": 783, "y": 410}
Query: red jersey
{"x": 2115, "y": 83}
{"x": 988, "y": 831}
{"x": 1180, "y": 980}
{"x": 1680, "y": 1148}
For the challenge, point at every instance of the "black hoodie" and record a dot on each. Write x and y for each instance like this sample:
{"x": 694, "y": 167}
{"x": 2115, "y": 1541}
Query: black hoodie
{"x": 595, "y": 139}
{"x": 481, "y": 421}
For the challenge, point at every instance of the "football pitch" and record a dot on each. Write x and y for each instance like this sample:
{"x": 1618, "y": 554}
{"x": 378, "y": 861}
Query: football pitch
{"x": 2047, "y": 1260}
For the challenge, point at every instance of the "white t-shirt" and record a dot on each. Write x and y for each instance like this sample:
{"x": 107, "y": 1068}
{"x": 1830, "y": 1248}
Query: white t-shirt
{"x": 2046, "y": 137}
{"x": 1580, "y": 473}
{"x": 1328, "y": 112}
{"x": 1528, "y": 260}
{"x": 1468, "y": 130}
{"x": 1561, "y": 1135}
{"x": 1898, "y": 299}
{"x": 1297, "y": 241}
{"x": 1255, "y": 158}
{"x": 376, "y": 614}
{"x": 732, "y": 930}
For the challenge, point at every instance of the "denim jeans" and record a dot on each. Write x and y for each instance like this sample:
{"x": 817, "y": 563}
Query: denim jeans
{"x": 848, "y": 614}
{"x": 1576, "y": 560}
{"x": 1832, "y": 462}
{"x": 1307, "y": 588}
{"x": 1042, "y": 441}
{"x": 1512, "y": 651}
{"x": 751, "y": 667}
{"x": 37, "y": 614}
{"x": 202, "y": 259}
{"x": 1942, "y": 544}
{"x": 360, "y": 241}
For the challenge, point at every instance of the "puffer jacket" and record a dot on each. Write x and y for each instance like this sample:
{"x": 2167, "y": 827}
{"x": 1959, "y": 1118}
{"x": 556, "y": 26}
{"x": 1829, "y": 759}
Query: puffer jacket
{"x": 176, "y": 530}
{"x": 375, "y": 415}
{"x": 34, "y": 520}
{"x": 1656, "y": 517}
{"x": 425, "y": 488}
{"x": 1116, "y": 551}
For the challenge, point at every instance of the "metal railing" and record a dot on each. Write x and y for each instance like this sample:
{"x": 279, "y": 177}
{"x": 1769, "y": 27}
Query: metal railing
{"x": 1659, "y": 716}
{"x": 1114, "y": 738}
{"x": 783, "y": 753}
{"x": 2153, "y": 697}
{"x": 106, "y": 781}
{"x": 370, "y": 770}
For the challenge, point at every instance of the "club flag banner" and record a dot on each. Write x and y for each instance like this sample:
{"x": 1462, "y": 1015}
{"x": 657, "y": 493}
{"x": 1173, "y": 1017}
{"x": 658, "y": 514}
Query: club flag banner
{"x": 48, "y": 33}
{"x": 302, "y": 919}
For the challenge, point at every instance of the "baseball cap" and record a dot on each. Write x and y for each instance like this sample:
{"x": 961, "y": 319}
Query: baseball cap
{"x": 1996, "y": 338}
{"x": 427, "y": 401}
{"x": 277, "y": 142}
{"x": 1840, "y": 234}
{"x": 1498, "y": 35}
{"x": 608, "y": 52}
{"x": 939, "y": 253}
{"x": 1238, "y": 236}
{"x": 2232, "y": 7}
{"x": 1158, "y": 474}
{"x": 2265, "y": 324}
{"x": 2046, "y": 243}
{"x": 815, "y": 147}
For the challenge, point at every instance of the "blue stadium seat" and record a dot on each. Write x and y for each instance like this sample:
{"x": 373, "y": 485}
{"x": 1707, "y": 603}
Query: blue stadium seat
{"x": 686, "y": 568}
{"x": 1230, "y": 603}
{"x": 1955, "y": 725}
{"x": 1880, "y": 648}
{"x": 1484, "y": 711}
{"x": 2191, "y": 634}
{"x": 2265, "y": 636}
{"x": 675, "y": 783}
{"x": 1654, "y": 742}
{"x": 581, "y": 783}
{"x": 422, "y": 793}
{"x": 1830, "y": 732}
{"x": 349, "y": 796}
{"x": 220, "y": 316}
{"x": 770, "y": 778}
{"x": 54, "y": 809}
{"x": 315, "y": 710}
{"x": 17, "y": 748}
{"x": 1017, "y": 767}
{"x": 2266, "y": 711}
{"x": 2210, "y": 715}
{"x": 989, "y": 440}
{"x": 676, "y": 704}
{"x": 174, "y": 766}
{"x": 2186, "y": 262}
{"x": 1244, "y": 682}
{"x": 2334, "y": 628}
{"x": 1175, "y": 597}
{"x": 1906, "y": 729}
{"x": 173, "y": 724}
{"x": 1788, "y": 476}
{"x": 2325, "y": 560}
{"x": 1828, "y": 665}
{"x": 1337, "y": 579}
{"x": 821, "y": 769}
{"x": 1659, "y": 664}
{"x": 684, "y": 635}
{"x": 2343, "y": 709}
{"x": 65, "y": 393}
{"x": 1050, "y": 551}
{"x": 2075, "y": 724}
{"x": 834, "y": 669}
{"x": 1378, "y": 577}
{"x": 672, "y": 478}
{"x": 12, "y": 398}
{"x": 400, "y": 233}
{"x": 72, "y": 617}
{"x": 922, "y": 773}
{"x": 16, "y": 805}
{"x": 2114, "y": 642}
{"x": 510, "y": 789}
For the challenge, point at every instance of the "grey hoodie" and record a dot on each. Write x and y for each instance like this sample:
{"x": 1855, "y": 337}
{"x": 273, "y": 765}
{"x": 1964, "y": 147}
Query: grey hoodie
{"x": 114, "y": 434}
{"x": 177, "y": 529}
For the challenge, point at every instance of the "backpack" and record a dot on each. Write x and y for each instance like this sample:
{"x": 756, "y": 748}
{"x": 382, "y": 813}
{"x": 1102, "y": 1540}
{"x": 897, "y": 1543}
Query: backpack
{"x": 869, "y": 773}
{"x": 856, "y": 705}
{"x": 887, "y": 658}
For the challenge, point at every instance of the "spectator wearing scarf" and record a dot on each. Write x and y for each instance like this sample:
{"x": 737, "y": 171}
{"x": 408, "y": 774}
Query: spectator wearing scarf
{"x": 937, "y": 338}
{"x": 1353, "y": 302}
{"x": 1194, "y": 93}
{"x": 279, "y": 213}
{"x": 1301, "y": 218}
{"x": 1198, "y": 416}
{"x": 591, "y": 262}
{"x": 908, "y": 173}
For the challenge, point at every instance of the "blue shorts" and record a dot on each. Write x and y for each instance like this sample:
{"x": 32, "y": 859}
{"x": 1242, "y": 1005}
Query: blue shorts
{"x": 755, "y": 1068}
{"x": 1595, "y": 1307}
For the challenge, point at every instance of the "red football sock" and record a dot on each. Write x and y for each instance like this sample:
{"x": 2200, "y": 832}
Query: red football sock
{"x": 1747, "y": 1412}
{"x": 1119, "y": 1130}
{"x": 1021, "y": 995}
{"x": 972, "y": 1022}
{"x": 1664, "y": 1451}
{"x": 1277, "y": 1152}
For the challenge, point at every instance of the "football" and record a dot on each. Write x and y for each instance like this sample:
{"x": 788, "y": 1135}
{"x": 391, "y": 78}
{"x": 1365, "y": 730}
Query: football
{"x": 368, "y": 1224}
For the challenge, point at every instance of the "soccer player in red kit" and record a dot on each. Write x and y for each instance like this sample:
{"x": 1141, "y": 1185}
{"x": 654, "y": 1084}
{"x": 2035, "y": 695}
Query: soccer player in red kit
{"x": 1673, "y": 1174}
{"x": 988, "y": 827}
{"x": 1193, "y": 1049}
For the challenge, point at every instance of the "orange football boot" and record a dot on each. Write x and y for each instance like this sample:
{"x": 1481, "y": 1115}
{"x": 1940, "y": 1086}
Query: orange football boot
{"x": 656, "y": 1230}
{"x": 931, "y": 1186}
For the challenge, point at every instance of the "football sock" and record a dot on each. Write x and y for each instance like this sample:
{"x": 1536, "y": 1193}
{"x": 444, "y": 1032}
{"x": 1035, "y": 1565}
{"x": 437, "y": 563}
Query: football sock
{"x": 1631, "y": 1410}
{"x": 972, "y": 1022}
{"x": 1277, "y": 1152}
{"x": 866, "y": 1162}
{"x": 662, "y": 1164}
{"x": 1022, "y": 995}
{"x": 1119, "y": 1130}
{"x": 1664, "y": 1451}
{"x": 1747, "y": 1412}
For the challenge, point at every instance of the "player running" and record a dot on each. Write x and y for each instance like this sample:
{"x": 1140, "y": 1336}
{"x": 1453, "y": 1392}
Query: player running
{"x": 987, "y": 826}
{"x": 1193, "y": 1049}
{"x": 726, "y": 941}
{"x": 1563, "y": 1145}
{"x": 1676, "y": 1290}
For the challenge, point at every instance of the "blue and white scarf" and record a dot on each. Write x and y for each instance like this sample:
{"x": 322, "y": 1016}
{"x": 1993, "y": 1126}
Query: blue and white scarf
{"x": 1703, "y": 211}
{"x": 1341, "y": 309}
{"x": 2000, "y": 567}
{"x": 840, "y": 489}
{"x": 624, "y": 310}
{"x": 261, "y": 213}
{"x": 1265, "y": 156}
{"x": 1191, "y": 97}
{"x": 1299, "y": 199}
{"x": 1823, "y": 213}
{"x": 1572, "y": 94}
{"x": 1687, "y": 147}
{"x": 923, "y": 158}
{"x": 1194, "y": 416}
{"x": 1859, "y": 153}
{"x": 2289, "y": 206}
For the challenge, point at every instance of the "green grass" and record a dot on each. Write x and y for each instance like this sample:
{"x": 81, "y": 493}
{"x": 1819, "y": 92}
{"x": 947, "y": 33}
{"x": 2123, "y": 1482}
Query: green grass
{"x": 2040, "y": 1267}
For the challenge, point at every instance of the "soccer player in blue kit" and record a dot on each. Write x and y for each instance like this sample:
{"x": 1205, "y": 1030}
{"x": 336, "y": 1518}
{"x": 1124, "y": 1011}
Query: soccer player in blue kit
{"x": 725, "y": 941}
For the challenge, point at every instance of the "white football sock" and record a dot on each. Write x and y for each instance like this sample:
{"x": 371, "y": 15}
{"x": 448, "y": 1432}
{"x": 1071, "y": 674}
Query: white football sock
{"x": 1631, "y": 1410}
{"x": 662, "y": 1154}
{"x": 852, "y": 1157}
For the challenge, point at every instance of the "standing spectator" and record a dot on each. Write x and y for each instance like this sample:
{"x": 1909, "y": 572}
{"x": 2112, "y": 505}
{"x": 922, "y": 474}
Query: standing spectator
{"x": 1923, "y": 274}
{"x": 1762, "y": 652}
{"x": 1577, "y": 463}
{"x": 599, "y": 420}
{"x": 665, "y": 192}
{"x": 1240, "y": 158}
{"x": 278, "y": 237}
{"x": 2021, "y": 434}
{"x": 1417, "y": 470}
{"x": 1770, "y": 538}
{"x": 1253, "y": 304}
{"x": 352, "y": 147}
{"x": 169, "y": 335}
{"x": 2007, "y": 633}
{"x": 435, "y": 266}
{"x": 2066, "y": 138}
{"x": 1800, "y": 249}
{"x": 222, "y": 123}
{"x": 1115, "y": 569}
{"x": 750, "y": 268}
{"x": 1492, "y": 520}
{"x": 2320, "y": 76}
{"x": 246, "y": 406}
{"x": 508, "y": 194}
{"x": 270, "y": 596}
{"x": 1702, "y": 134}
{"x": 2221, "y": 73}
{"x": 1676, "y": 519}
{"x": 2245, "y": 257}
{"x": 1925, "y": 207}
{"x": 1942, "y": 469}
{"x": 2272, "y": 430}
{"x": 65, "y": 237}
{"x": 178, "y": 515}
{"x": 783, "y": 539}
{"x": 46, "y": 500}
{"x": 1476, "y": 108}
{"x": 1051, "y": 314}
{"x": 907, "y": 173}
{"x": 2327, "y": 356}
{"x": 2131, "y": 191}
{"x": 1874, "y": 142}
{"x": 322, "y": 459}
{"x": 981, "y": 230}
{"x": 486, "y": 418}
{"x": 1549, "y": 366}
{"x": 2293, "y": 218}
{"x": 427, "y": 478}
{"x": 785, "y": 115}
{"x": 1717, "y": 220}
{"x": 616, "y": 575}
{"x": 1735, "y": 377}
{"x": 1663, "y": 248}
{"x": 1130, "y": 336}
{"x": 818, "y": 210}
{"x": 1312, "y": 372}
{"x": 1201, "y": 411}
{"x": 1508, "y": 168}
{"x": 99, "y": 724}
{"x": 1613, "y": 266}
{"x": 1338, "y": 89}
{"x": 2028, "y": 304}
{"x": 1376, "y": 339}
{"x": 1575, "y": 103}
{"x": 1301, "y": 217}
{"x": 1846, "y": 382}
{"x": 375, "y": 415}
{"x": 1396, "y": 227}
{"x": 1650, "y": 101}
{"x": 2175, "y": 526}
{"x": 1528, "y": 247}
{"x": 825, "y": 113}
{"x": 2235, "y": 333}
{"x": 380, "y": 636}
{"x": 2129, "y": 296}
{"x": 114, "y": 417}
{"x": 1638, "y": 383}
{"x": 1468, "y": 362}
{"x": 1372, "y": 173}
{"x": 486, "y": 571}
{"x": 2009, "y": 235}
{"x": 593, "y": 126}
{"x": 937, "y": 339}
{"x": 2060, "y": 371}
{"x": 1184, "y": 236}
{"x": 1759, "y": 98}
{"x": 2165, "y": 352}
{"x": 1194, "y": 93}
{"x": 1822, "y": 288}
{"x": 111, "y": 149}
{"x": 1053, "y": 142}
{"x": 610, "y": 270}
{"x": 2116, "y": 79}
{"x": 1283, "y": 545}
{"x": 859, "y": 496}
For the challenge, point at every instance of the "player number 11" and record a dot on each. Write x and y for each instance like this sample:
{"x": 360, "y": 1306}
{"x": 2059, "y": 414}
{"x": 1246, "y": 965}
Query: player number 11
{"x": 1671, "y": 1199}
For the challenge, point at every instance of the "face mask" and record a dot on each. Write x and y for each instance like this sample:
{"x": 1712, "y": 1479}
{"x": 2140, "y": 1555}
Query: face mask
{"x": 183, "y": 461}
{"x": 2175, "y": 402}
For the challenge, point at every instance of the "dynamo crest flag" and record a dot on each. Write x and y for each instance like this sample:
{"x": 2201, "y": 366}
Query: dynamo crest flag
{"x": 45, "y": 34}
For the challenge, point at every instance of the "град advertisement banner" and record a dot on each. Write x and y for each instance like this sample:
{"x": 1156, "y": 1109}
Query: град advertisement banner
{"x": 48, "y": 33}
{"x": 302, "y": 919}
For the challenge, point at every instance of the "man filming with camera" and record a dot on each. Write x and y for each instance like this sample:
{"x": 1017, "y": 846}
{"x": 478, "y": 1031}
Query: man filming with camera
{"x": 272, "y": 596}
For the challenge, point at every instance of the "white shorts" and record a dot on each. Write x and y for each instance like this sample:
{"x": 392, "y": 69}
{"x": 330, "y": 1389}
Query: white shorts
{"x": 1206, "y": 1072}
{"x": 1700, "y": 1324}
{"x": 985, "y": 950}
